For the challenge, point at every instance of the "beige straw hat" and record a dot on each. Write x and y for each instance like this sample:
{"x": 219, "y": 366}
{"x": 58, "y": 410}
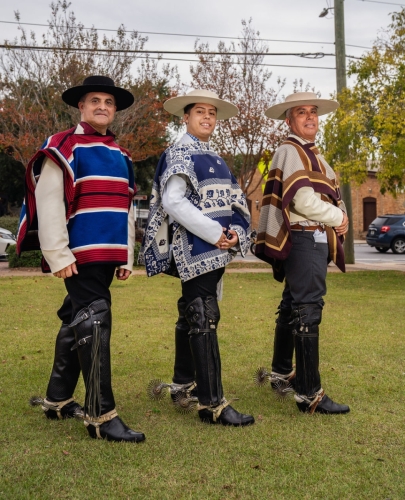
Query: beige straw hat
{"x": 324, "y": 106}
{"x": 225, "y": 109}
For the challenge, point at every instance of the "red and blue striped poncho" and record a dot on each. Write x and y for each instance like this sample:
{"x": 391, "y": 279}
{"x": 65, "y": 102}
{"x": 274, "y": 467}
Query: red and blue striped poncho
{"x": 98, "y": 186}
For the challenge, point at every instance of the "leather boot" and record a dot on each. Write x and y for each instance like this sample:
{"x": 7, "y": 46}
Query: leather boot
{"x": 203, "y": 316}
{"x": 184, "y": 369}
{"x": 282, "y": 372}
{"x": 92, "y": 327}
{"x": 310, "y": 397}
{"x": 65, "y": 373}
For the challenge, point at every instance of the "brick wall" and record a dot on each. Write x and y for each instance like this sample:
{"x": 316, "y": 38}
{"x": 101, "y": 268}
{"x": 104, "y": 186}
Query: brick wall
{"x": 385, "y": 204}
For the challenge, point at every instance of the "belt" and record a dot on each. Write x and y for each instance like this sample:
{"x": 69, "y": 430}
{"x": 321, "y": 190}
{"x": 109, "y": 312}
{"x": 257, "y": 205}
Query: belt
{"x": 298, "y": 227}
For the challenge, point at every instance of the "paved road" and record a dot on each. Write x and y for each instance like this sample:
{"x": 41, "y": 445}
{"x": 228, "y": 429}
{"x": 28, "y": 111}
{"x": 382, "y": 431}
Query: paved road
{"x": 369, "y": 255}
{"x": 365, "y": 256}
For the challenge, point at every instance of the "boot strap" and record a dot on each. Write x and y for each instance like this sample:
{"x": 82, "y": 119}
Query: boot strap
{"x": 216, "y": 410}
{"x": 97, "y": 421}
{"x": 81, "y": 342}
{"x": 313, "y": 401}
{"x": 194, "y": 331}
{"x": 274, "y": 376}
{"x": 175, "y": 388}
{"x": 48, "y": 405}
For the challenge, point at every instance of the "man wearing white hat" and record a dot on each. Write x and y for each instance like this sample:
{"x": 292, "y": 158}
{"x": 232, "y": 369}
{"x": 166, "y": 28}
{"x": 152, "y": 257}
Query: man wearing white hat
{"x": 198, "y": 217}
{"x": 302, "y": 222}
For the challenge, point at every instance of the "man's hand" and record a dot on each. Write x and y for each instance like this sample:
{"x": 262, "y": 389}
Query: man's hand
{"x": 343, "y": 228}
{"x": 221, "y": 239}
{"x": 67, "y": 271}
{"x": 229, "y": 243}
{"x": 122, "y": 274}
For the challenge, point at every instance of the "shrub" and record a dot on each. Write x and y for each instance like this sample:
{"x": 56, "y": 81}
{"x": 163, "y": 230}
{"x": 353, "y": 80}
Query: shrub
{"x": 33, "y": 258}
{"x": 9, "y": 222}
{"x": 27, "y": 259}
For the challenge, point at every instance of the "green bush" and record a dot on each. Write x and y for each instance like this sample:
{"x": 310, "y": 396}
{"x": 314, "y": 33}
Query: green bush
{"x": 27, "y": 259}
{"x": 33, "y": 258}
{"x": 9, "y": 222}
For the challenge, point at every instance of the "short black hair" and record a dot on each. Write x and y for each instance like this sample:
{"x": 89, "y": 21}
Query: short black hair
{"x": 188, "y": 108}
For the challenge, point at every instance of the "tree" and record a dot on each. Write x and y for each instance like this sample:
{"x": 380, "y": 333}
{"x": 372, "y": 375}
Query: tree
{"x": 370, "y": 124}
{"x": 11, "y": 182}
{"x": 32, "y": 81}
{"x": 248, "y": 138}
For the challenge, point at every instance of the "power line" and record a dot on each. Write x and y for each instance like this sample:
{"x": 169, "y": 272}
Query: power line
{"x": 188, "y": 35}
{"x": 386, "y": 3}
{"x": 222, "y": 62}
{"x": 308, "y": 55}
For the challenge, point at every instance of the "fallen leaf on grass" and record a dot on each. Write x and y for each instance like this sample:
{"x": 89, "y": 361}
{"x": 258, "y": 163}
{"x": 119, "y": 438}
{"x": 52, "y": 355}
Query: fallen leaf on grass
{"x": 255, "y": 466}
{"x": 65, "y": 452}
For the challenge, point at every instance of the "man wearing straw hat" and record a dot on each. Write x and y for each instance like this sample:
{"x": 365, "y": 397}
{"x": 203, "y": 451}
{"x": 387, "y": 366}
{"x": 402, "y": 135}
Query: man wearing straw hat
{"x": 302, "y": 221}
{"x": 198, "y": 218}
{"x": 79, "y": 203}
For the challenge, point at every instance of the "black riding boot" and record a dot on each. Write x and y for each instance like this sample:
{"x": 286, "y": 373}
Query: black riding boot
{"x": 310, "y": 397}
{"x": 92, "y": 327}
{"x": 184, "y": 370}
{"x": 203, "y": 316}
{"x": 59, "y": 401}
{"x": 282, "y": 373}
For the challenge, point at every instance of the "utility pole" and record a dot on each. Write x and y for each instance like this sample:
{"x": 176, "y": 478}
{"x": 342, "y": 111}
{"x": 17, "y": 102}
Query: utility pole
{"x": 340, "y": 50}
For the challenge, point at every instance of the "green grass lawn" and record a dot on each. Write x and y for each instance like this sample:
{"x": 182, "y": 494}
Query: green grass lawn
{"x": 285, "y": 455}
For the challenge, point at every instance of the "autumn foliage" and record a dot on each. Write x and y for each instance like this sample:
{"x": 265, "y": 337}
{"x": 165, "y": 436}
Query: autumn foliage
{"x": 32, "y": 81}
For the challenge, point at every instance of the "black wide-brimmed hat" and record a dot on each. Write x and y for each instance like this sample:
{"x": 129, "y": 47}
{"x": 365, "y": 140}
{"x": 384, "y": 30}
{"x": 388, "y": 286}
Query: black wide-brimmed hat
{"x": 123, "y": 98}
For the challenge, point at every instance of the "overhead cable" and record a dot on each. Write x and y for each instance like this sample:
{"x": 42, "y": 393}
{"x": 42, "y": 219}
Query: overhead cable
{"x": 189, "y": 35}
{"x": 308, "y": 55}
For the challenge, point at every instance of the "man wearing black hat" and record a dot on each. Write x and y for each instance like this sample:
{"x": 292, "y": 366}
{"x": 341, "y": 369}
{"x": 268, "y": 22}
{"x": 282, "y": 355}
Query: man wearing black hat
{"x": 79, "y": 203}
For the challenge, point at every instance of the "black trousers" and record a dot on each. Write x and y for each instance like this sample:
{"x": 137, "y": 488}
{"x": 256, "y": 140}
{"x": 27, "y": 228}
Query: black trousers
{"x": 92, "y": 283}
{"x": 202, "y": 286}
{"x": 305, "y": 271}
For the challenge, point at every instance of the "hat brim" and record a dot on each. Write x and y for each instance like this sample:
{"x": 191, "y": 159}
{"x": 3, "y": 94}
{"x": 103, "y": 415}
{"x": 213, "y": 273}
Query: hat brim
{"x": 325, "y": 106}
{"x": 123, "y": 98}
{"x": 176, "y": 105}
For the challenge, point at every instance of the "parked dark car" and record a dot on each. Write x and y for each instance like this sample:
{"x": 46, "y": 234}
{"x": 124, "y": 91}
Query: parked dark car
{"x": 387, "y": 231}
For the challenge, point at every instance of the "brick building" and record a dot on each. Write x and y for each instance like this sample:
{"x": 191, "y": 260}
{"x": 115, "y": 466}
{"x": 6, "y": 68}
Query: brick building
{"x": 367, "y": 203}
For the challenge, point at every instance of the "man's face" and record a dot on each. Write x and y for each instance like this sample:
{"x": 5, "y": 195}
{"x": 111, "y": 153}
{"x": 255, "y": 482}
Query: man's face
{"x": 201, "y": 121}
{"x": 98, "y": 110}
{"x": 303, "y": 122}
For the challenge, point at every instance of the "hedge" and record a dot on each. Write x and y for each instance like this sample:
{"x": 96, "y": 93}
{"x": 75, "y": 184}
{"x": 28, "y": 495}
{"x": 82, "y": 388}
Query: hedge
{"x": 33, "y": 258}
{"x": 27, "y": 259}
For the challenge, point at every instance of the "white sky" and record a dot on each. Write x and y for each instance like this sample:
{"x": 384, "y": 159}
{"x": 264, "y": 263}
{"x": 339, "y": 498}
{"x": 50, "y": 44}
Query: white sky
{"x": 277, "y": 20}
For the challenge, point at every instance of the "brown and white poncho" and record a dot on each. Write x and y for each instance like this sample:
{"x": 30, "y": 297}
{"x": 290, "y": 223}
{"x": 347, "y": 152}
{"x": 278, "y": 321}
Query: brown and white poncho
{"x": 289, "y": 172}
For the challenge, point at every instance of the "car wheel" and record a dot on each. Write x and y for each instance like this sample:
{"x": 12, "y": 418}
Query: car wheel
{"x": 398, "y": 245}
{"x": 382, "y": 249}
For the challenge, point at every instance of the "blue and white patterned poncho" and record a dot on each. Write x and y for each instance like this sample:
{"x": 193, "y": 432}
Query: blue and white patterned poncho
{"x": 214, "y": 190}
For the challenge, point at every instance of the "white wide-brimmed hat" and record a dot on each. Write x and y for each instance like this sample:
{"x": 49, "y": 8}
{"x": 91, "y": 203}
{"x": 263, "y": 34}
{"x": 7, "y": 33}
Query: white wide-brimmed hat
{"x": 225, "y": 109}
{"x": 324, "y": 106}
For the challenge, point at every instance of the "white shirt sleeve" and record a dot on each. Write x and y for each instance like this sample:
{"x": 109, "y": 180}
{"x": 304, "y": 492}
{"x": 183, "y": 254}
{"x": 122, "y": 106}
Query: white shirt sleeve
{"x": 307, "y": 204}
{"x": 177, "y": 206}
{"x": 52, "y": 230}
{"x": 131, "y": 239}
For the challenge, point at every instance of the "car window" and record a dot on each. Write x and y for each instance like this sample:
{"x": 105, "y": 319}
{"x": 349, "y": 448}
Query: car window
{"x": 395, "y": 220}
{"x": 379, "y": 221}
